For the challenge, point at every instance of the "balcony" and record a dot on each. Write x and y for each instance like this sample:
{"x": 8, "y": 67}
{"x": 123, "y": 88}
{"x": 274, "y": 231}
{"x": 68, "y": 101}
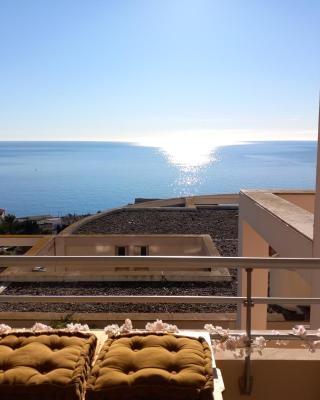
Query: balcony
{"x": 281, "y": 371}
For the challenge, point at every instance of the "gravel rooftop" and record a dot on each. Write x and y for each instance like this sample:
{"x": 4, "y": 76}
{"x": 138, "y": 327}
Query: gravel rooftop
{"x": 220, "y": 224}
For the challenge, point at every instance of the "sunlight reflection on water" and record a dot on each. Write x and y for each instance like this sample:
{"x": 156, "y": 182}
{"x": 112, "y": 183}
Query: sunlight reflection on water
{"x": 188, "y": 155}
{"x": 188, "y": 181}
{"x": 191, "y": 158}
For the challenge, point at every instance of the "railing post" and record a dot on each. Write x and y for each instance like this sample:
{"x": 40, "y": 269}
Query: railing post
{"x": 247, "y": 380}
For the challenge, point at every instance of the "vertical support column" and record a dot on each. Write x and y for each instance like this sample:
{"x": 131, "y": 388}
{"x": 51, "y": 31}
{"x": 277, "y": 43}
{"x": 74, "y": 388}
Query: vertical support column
{"x": 251, "y": 244}
{"x": 315, "y": 309}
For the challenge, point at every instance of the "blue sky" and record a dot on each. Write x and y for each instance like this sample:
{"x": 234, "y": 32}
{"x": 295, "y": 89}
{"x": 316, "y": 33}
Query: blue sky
{"x": 144, "y": 69}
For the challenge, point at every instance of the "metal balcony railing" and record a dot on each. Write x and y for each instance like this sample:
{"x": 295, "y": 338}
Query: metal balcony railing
{"x": 166, "y": 264}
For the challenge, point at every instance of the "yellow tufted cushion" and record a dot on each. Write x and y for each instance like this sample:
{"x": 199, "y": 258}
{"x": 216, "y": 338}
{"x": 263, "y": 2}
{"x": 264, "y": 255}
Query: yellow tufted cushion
{"x": 152, "y": 366}
{"x": 46, "y": 366}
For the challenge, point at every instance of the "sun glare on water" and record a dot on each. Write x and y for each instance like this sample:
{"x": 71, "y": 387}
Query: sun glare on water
{"x": 186, "y": 151}
{"x": 190, "y": 154}
{"x": 196, "y": 150}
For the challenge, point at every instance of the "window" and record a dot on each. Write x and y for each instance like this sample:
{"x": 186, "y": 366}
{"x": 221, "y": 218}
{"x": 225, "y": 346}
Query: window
{"x": 121, "y": 250}
{"x": 141, "y": 250}
{"x": 144, "y": 250}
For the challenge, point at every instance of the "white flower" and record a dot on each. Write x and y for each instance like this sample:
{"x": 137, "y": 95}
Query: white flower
{"x": 4, "y": 328}
{"x": 112, "y": 329}
{"x": 217, "y": 330}
{"x": 159, "y": 326}
{"x": 77, "y": 328}
{"x": 243, "y": 340}
{"x": 155, "y": 326}
{"x": 311, "y": 346}
{"x": 172, "y": 328}
{"x": 278, "y": 341}
{"x": 259, "y": 343}
{"x": 231, "y": 343}
{"x": 126, "y": 327}
{"x": 210, "y": 328}
{"x": 39, "y": 327}
{"x": 299, "y": 330}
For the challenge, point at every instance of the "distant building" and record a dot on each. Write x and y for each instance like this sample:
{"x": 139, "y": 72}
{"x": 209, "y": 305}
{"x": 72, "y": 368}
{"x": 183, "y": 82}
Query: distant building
{"x": 51, "y": 223}
{"x": 37, "y": 218}
{"x": 45, "y": 222}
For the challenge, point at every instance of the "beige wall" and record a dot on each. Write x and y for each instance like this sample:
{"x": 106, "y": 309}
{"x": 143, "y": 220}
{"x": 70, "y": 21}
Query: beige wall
{"x": 48, "y": 249}
{"x": 273, "y": 379}
{"x": 19, "y": 240}
{"x": 119, "y": 268}
{"x": 170, "y": 245}
{"x": 266, "y": 219}
{"x": 285, "y": 227}
{"x": 252, "y": 245}
{"x": 303, "y": 200}
{"x": 290, "y": 284}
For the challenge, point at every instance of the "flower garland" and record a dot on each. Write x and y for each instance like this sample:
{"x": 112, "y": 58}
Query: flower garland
{"x": 159, "y": 326}
{"x": 309, "y": 343}
{"x": 115, "y": 329}
{"x": 237, "y": 343}
{"x": 127, "y": 327}
{"x": 40, "y": 327}
{"x": 240, "y": 346}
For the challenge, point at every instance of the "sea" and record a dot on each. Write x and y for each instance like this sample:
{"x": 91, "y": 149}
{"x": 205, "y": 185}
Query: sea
{"x": 58, "y": 178}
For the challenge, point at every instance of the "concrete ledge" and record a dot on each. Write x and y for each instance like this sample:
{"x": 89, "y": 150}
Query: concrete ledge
{"x": 182, "y": 320}
{"x": 12, "y": 274}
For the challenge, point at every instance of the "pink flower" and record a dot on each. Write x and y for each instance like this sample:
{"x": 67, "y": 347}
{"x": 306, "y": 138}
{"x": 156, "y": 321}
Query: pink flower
{"x": 159, "y": 326}
{"x": 77, "y": 328}
{"x": 260, "y": 343}
{"x": 112, "y": 329}
{"x": 4, "y": 328}
{"x": 243, "y": 340}
{"x": 299, "y": 330}
{"x": 126, "y": 327}
{"x": 39, "y": 327}
{"x": 217, "y": 330}
{"x": 231, "y": 343}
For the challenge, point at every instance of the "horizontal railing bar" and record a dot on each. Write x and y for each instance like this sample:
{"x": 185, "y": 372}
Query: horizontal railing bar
{"x": 121, "y": 299}
{"x": 164, "y": 261}
{"x": 286, "y": 300}
{"x": 155, "y": 299}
